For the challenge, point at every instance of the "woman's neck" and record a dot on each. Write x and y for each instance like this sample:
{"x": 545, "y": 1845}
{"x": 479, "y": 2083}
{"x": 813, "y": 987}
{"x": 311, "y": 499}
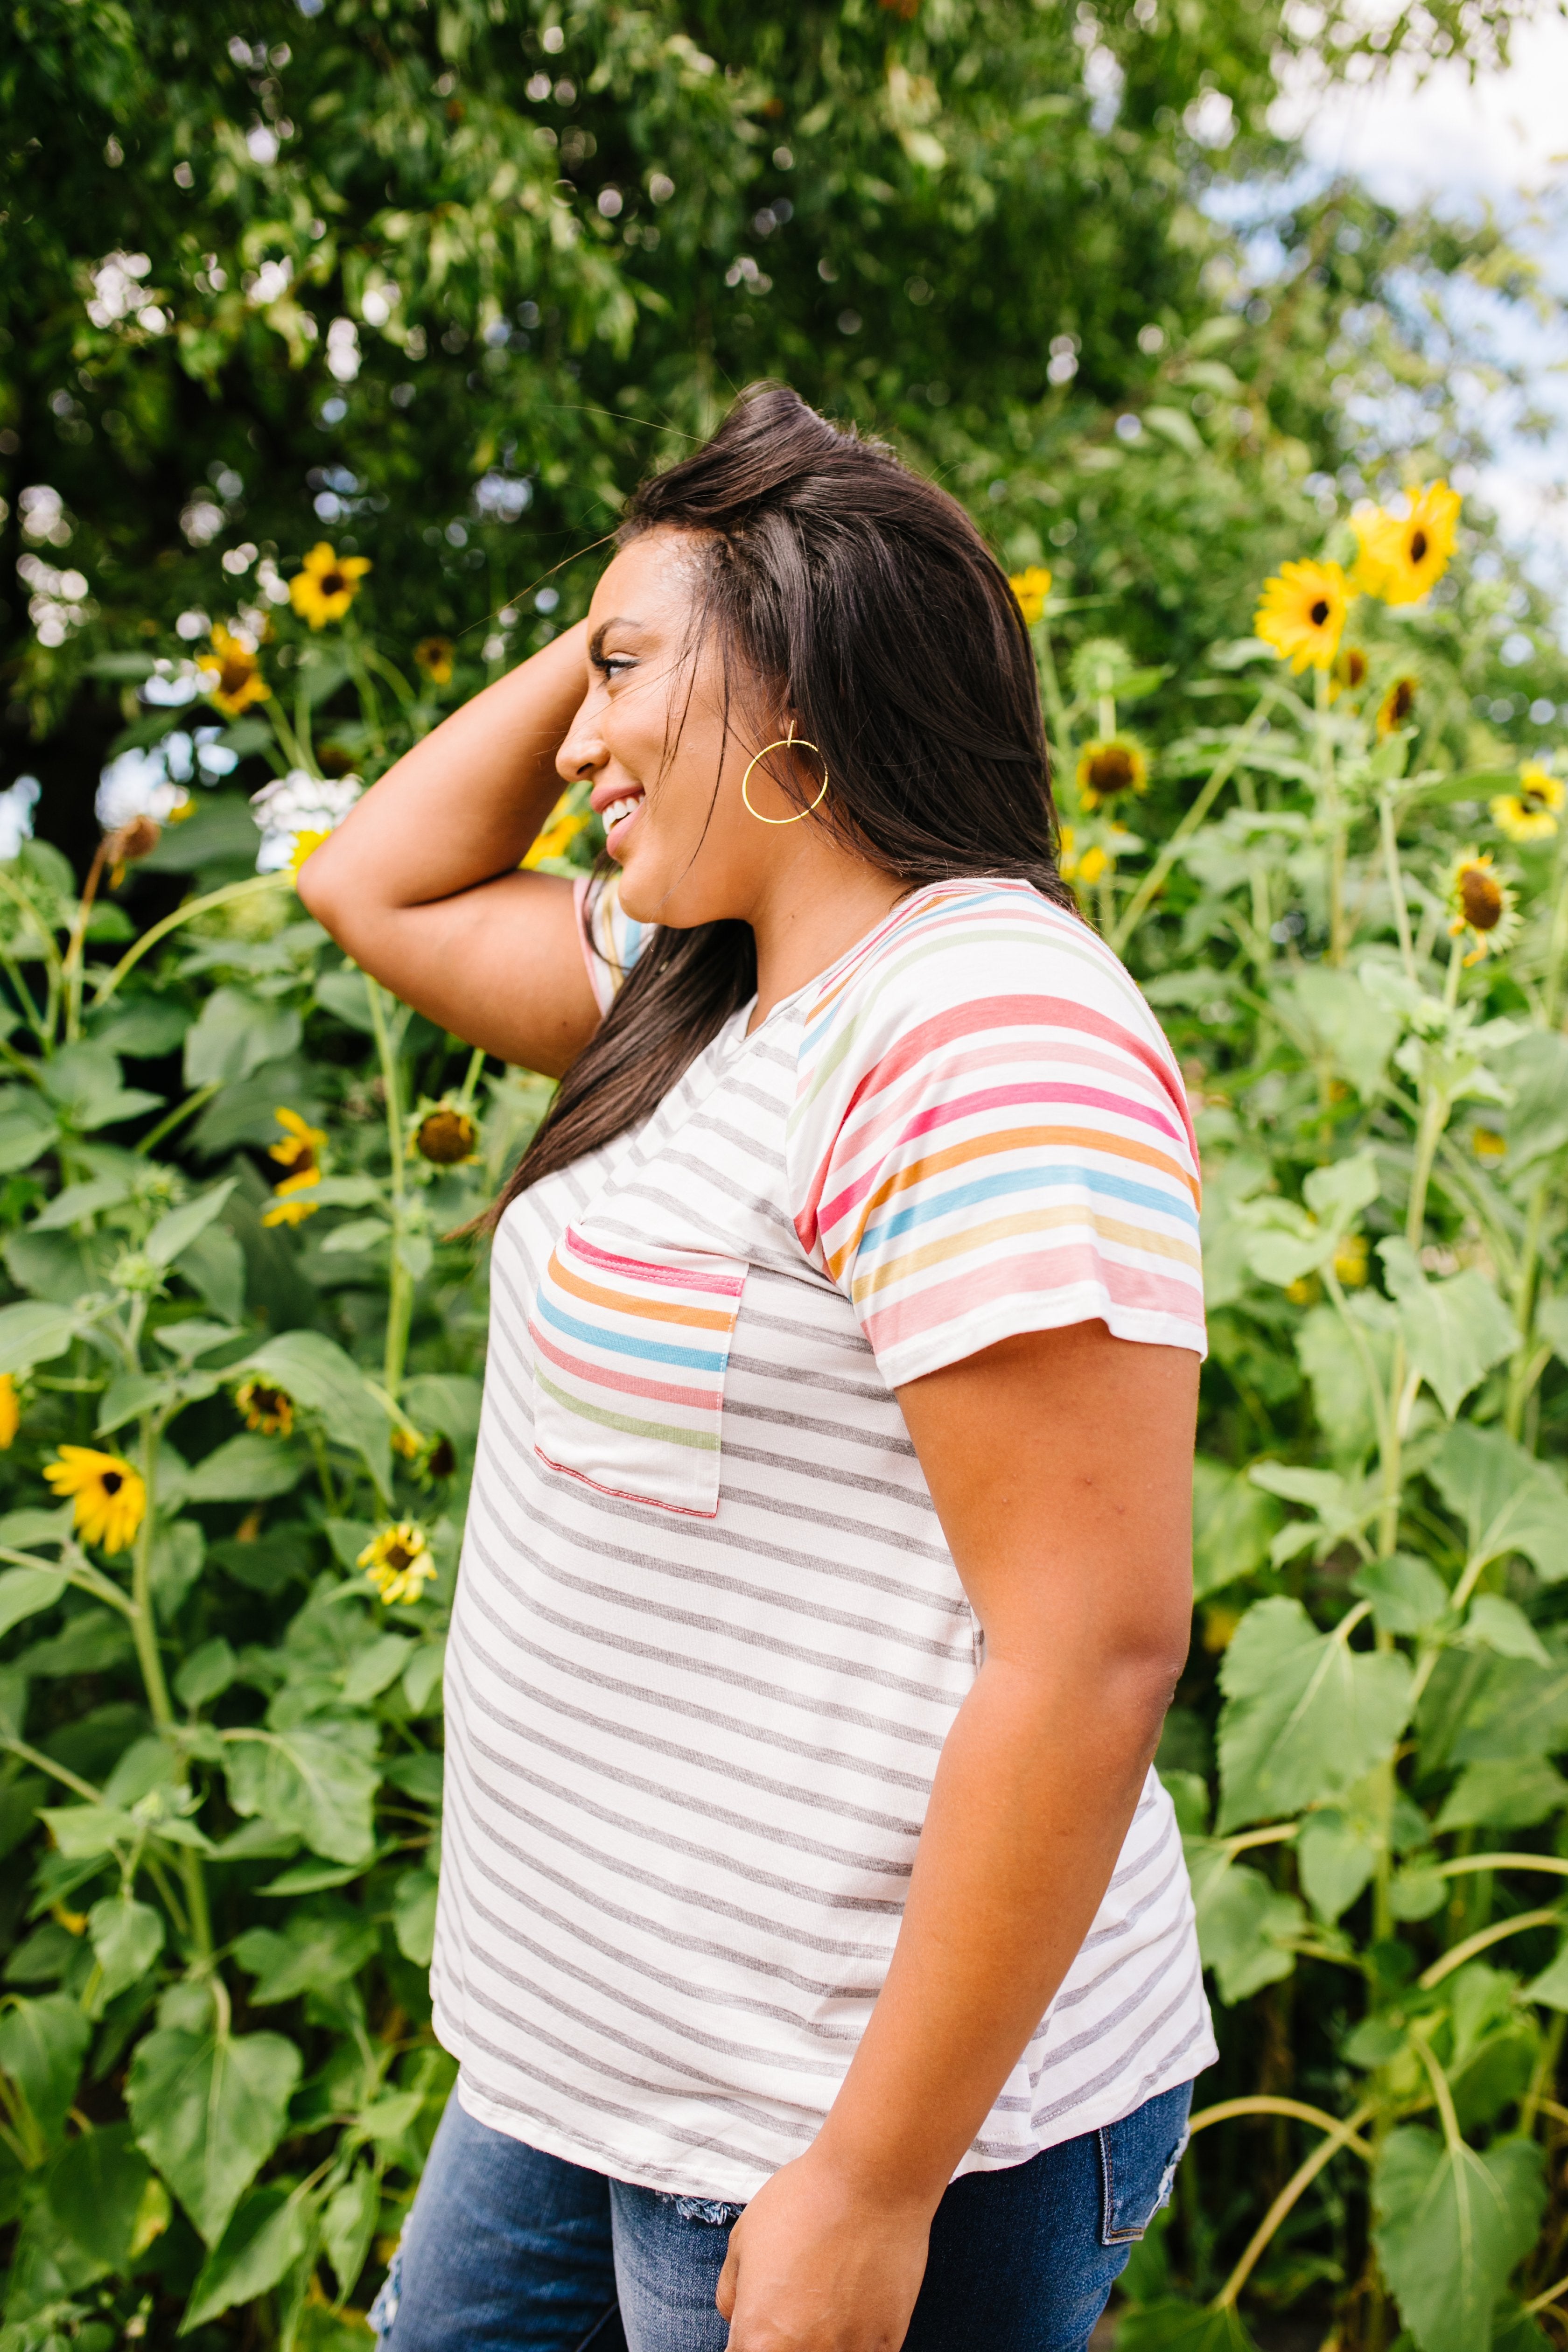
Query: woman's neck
{"x": 813, "y": 906}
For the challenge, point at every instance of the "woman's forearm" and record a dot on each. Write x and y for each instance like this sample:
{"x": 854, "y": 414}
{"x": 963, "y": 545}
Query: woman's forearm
{"x": 464, "y": 803}
{"x": 1035, "y": 1789}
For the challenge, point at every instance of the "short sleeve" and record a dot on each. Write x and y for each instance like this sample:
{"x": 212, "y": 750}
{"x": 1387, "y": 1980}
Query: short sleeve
{"x": 990, "y": 1135}
{"x": 611, "y": 939}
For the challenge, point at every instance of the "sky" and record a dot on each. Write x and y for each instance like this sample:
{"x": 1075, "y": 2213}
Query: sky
{"x": 1502, "y": 142}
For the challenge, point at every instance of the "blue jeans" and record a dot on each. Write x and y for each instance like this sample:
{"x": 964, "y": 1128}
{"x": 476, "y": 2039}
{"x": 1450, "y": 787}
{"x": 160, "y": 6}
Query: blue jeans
{"x": 509, "y": 2251}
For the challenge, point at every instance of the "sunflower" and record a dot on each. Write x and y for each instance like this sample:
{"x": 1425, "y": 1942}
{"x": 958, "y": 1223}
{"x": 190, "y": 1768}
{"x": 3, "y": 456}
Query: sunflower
{"x": 111, "y": 1499}
{"x": 1031, "y": 586}
{"x": 1395, "y": 708}
{"x": 1105, "y": 769}
{"x": 1479, "y": 901}
{"x": 1402, "y": 556}
{"x": 297, "y": 1147}
{"x": 296, "y": 1150}
{"x": 446, "y": 1136}
{"x": 1530, "y": 813}
{"x": 267, "y": 1409}
{"x": 290, "y": 1209}
{"x": 326, "y": 584}
{"x": 1350, "y": 1261}
{"x": 1302, "y": 611}
{"x": 1087, "y": 866}
{"x": 435, "y": 656}
{"x": 1487, "y": 1144}
{"x": 231, "y": 673}
{"x": 408, "y": 1443}
{"x": 1348, "y": 674}
{"x": 398, "y": 1562}
{"x": 560, "y": 830}
{"x": 10, "y": 1411}
{"x": 305, "y": 844}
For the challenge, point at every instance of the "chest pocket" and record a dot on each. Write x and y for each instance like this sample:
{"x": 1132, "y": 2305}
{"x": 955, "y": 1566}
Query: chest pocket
{"x": 629, "y": 1358}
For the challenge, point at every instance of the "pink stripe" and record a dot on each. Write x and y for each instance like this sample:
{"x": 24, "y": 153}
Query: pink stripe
{"x": 1116, "y": 1096}
{"x": 954, "y": 1299}
{"x": 982, "y": 1017}
{"x": 676, "y": 1277}
{"x": 628, "y": 1383}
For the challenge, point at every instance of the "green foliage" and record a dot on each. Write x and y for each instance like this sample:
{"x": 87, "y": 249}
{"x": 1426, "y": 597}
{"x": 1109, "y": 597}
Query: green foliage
{"x": 439, "y": 285}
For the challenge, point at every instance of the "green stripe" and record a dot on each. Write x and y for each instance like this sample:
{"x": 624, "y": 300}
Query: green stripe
{"x": 692, "y": 1437}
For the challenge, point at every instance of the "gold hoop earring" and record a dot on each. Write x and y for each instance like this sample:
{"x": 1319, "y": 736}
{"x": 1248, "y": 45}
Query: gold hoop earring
{"x": 786, "y": 743}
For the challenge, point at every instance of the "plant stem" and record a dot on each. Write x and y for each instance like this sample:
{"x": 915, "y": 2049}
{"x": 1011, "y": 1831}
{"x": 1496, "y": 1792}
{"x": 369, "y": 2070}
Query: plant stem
{"x": 1334, "y": 813}
{"x": 70, "y": 965}
{"x": 1300, "y": 2180}
{"x": 1056, "y": 709}
{"x": 471, "y": 1077}
{"x": 1218, "y": 777}
{"x": 177, "y": 1116}
{"x": 1389, "y": 826}
{"x": 252, "y": 888}
{"x": 1483, "y": 1938}
{"x": 400, "y": 1302}
{"x": 144, "y": 1630}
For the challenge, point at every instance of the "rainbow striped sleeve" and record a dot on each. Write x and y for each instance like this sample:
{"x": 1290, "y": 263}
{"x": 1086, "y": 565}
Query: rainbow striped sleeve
{"x": 990, "y": 1135}
{"x": 611, "y": 940}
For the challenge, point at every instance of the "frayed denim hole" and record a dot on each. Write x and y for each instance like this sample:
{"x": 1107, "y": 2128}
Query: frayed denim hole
{"x": 383, "y": 2314}
{"x": 709, "y": 2210}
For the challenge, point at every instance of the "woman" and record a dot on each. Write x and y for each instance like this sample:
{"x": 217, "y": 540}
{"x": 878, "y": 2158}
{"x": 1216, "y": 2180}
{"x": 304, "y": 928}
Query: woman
{"x": 814, "y": 1936}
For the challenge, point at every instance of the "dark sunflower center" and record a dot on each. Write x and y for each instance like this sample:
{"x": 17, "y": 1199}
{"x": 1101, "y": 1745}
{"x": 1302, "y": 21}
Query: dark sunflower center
{"x": 332, "y": 584}
{"x": 1419, "y": 546}
{"x": 1355, "y": 666}
{"x": 111, "y": 1482}
{"x": 1402, "y": 701}
{"x": 1481, "y": 898}
{"x": 236, "y": 670}
{"x": 1318, "y": 612}
{"x": 446, "y": 1137}
{"x": 398, "y": 1556}
{"x": 1112, "y": 769}
{"x": 1530, "y": 800}
{"x": 267, "y": 1401}
{"x": 443, "y": 1460}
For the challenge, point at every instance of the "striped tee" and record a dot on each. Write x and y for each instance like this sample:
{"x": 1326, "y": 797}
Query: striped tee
{"x": 708, "y": 1639}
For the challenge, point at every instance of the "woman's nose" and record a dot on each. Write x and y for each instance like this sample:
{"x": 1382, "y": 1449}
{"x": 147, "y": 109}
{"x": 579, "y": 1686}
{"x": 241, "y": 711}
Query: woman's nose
{"x": 583, "y": 750}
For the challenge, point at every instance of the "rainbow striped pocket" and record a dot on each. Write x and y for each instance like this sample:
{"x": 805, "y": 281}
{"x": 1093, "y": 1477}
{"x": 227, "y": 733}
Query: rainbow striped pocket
{"x": 629, "y": 1357}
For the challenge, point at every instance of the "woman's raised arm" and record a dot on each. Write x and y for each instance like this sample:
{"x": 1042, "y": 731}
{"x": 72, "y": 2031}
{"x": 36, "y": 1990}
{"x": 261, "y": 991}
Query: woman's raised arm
{"x": 421, "y": 885}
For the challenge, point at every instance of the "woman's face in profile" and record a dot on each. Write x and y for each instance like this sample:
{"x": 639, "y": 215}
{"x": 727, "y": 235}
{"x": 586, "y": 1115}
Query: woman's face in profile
{"x": 651, "y": 734}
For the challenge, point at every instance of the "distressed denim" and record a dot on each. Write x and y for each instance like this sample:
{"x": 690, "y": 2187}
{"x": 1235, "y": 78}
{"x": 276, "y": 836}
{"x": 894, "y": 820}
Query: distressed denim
{"x": 510, "y": 2251}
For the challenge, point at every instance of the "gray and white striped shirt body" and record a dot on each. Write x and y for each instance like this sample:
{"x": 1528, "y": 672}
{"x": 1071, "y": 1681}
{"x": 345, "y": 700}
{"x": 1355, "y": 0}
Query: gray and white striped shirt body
{"x": 689, "y": 1749}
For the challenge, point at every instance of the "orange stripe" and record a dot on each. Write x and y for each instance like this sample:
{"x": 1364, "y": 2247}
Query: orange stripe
{"x": 1019, "y": 1139}
{"x": 703, "y": 1317}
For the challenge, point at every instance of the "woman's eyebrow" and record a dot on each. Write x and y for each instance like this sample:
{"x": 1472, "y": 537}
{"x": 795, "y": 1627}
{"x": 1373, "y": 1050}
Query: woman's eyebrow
{"x": 615, "y": 621}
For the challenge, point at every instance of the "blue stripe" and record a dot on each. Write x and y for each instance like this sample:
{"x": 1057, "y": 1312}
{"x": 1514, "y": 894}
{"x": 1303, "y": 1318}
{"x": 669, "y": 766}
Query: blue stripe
{"x": 657, "y": 1352}
{"x": 986, "y": 1189}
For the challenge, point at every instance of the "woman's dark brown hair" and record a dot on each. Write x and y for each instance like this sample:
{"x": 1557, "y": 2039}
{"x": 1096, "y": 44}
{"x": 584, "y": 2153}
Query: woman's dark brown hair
{"x": 845, "y": 585}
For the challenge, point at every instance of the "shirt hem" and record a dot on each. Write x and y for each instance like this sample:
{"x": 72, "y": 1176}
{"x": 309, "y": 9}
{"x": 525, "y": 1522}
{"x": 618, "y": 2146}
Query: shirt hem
{"x": 912, "y": 1360}
{"x": 738, "y": 2182}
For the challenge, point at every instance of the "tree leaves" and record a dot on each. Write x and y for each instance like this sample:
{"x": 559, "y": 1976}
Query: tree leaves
{"x": 33, "y": 1332}
{"x": 209, "y": 2108}
{"x": 1305, "y": 1714}
{"x": 1451, "y": 2225}
{"x": 317, "y": 1777}
{"x": 268, "y": 2234}
{"x": 1508, "y": 1500}
{"x": 42, "y": 2046}
{"x": 317, "y": 1373}
{"x": 1455, "y": 1331}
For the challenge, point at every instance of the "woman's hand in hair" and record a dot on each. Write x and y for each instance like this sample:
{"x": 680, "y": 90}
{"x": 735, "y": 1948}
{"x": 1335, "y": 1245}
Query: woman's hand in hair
{"x": 421, "y": 883}
{"x": 817, "y": 2263}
